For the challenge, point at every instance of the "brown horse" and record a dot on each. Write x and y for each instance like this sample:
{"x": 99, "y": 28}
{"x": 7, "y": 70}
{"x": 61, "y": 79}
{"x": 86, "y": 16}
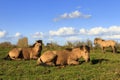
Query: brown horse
{"x": 26, "y": 53}
{"x": 105, "y": 43}
{"x": 64, "y": 57}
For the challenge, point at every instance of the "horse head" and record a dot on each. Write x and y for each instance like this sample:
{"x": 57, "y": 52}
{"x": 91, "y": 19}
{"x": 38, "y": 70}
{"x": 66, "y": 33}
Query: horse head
{"x": 38, "y": 46}
{"x": 85, "y": 50}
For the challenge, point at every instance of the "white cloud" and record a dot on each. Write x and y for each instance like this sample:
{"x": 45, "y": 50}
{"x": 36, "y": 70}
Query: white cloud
{"x": 111, "y": 36}
{"x": 87, "y": 16}
{"x": 2, "y": 33}
{"x": 18, "y": 34}
{"x": 83, "y": 31}
{"x": 74, "y": 14}
{"x": 110, "y": 32}
{"x": 37, "y": 35}
{"x": 97, "y": 31}
{"x": 69, "y": 34}
{"x": 114, "y": 29}
{"x": 65, "y": 15}
{"x": 5, "y": 36}
{"x": 73, "y": 38}
{"x": 64, "y": 31}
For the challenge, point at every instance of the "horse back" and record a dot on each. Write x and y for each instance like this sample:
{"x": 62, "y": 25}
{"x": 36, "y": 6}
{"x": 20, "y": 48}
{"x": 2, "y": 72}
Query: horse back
{"x": 47, "y": 56}
{"x": 111, "y": 42}
{"x": 26, "y": 53}
{"x": 108, "y": 43}
{"x": 62, "y": 57}
{"x": 14, "y": 53}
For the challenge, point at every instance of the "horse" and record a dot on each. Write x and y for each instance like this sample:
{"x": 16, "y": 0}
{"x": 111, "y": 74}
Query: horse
{"x": 32, "y": 52}
{"x": 105, "y": 43}
{"x": 64, "y": 57}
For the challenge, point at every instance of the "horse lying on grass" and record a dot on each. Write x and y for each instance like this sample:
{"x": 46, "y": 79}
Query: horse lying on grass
{"x": 64, "y": 57}
{"x": 26, "y": 53}
{"x": 106, "y": 43}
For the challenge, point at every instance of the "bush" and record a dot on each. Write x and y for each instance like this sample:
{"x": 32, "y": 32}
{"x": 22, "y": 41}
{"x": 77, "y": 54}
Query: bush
{"x": 79, "y": 43}
{"x": 6, "y": 45}
{"x": 23, "y": 42}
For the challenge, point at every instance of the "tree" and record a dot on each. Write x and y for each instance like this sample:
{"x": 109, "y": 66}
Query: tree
{"x": 23, "y": 42}
{"x": 6, "y": 44}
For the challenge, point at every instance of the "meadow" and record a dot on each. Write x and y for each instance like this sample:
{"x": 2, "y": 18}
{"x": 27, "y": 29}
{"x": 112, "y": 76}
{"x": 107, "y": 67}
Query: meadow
{"x": 101, "y": 67}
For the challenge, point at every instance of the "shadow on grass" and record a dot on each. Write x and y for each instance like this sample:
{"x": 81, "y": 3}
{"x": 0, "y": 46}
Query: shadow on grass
{"x": 118, "y": 52}
{"x": 96, "y": 61}
{"x": 81, "y": 62}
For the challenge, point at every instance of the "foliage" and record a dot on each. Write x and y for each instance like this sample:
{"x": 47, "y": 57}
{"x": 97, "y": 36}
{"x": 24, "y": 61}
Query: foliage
{"x": 23, "y": 42}
{"x": 79, "y": 43}
{"x": 6, "y": 45}
{"x": 51, "y": 46}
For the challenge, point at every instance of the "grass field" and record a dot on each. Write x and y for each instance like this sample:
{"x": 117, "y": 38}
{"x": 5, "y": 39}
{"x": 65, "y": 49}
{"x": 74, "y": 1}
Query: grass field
{"x": 102, "y": 67}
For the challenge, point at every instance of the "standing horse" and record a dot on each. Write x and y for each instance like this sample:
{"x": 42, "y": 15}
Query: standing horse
{"x": 26, "y": 53}
{"x": 64, "y": 57}
{"x": 105, "y": 43}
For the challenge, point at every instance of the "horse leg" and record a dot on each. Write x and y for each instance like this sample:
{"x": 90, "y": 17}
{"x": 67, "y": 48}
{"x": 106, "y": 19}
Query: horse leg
{"x": 73, "y": 62}
{"x": 50, "y": 64}
{"x": 17, "y": 59}
{"x": 114, "y": 49}
{"x": 47, "y": 64}
{"x": 103, "y": 49}
{"x": 34, "y": 57}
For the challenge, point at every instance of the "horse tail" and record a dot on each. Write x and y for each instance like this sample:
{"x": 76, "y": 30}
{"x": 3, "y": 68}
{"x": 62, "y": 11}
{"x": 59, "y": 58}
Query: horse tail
{"x": 7, "y": 57}
{"x": 115, "y": 49}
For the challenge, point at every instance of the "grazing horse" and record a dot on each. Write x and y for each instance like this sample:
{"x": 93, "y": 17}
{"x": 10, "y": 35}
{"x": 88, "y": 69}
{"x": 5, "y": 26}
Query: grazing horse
{"x": 32, "y": 52}
{"x": 105, "y": 43}
{"x": 64, "y": 57}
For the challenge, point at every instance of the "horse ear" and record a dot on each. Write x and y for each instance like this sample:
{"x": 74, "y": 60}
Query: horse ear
{"x": 39, "y": 41}
{"x": 81, "y": 47}
{"x": 96, "y": 39}
{"x": 87, "y": 47}
{"x": 84, "y": 46}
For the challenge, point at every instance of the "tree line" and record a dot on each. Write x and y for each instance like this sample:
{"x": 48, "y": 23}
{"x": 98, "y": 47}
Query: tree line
{"x": 23, "y": 42}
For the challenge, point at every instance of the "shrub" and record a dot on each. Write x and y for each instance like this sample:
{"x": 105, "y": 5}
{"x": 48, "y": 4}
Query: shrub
{"x": 6, "y": 45}
{"x": 23, "y": 42}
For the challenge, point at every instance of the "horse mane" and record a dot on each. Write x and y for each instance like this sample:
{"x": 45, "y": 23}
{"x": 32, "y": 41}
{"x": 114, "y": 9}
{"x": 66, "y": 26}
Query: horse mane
{"x": 84, "y": 46}
{"x": 69, "y": 49}
{"x": 99, "y": 39}
{"x": 103, "y": 40}
{"x": 38, "y": 41}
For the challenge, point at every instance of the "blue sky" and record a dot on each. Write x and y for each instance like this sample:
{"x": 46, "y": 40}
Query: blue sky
{"x": 59, "y": 20}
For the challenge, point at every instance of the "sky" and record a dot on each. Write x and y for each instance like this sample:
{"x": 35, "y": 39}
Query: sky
{"x": 59, "y": 20}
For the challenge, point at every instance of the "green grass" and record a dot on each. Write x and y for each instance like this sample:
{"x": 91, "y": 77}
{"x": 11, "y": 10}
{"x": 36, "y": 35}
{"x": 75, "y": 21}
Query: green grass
{"x": 102, "y": 67}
